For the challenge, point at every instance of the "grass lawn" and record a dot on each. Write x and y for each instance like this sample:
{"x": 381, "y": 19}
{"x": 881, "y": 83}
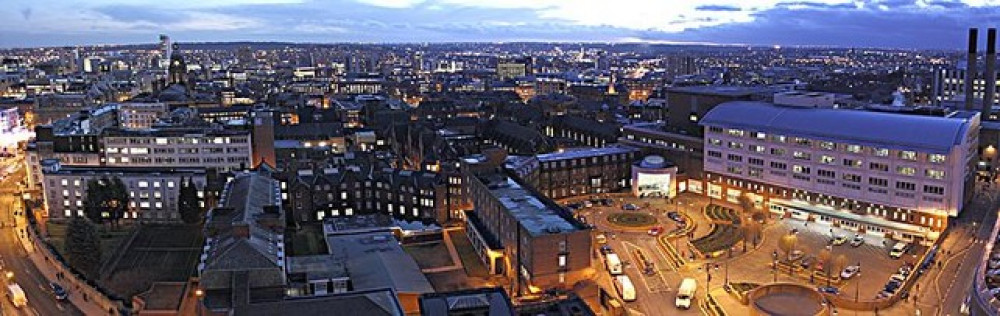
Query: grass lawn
{"x": 473, "y": 267}
{"x": 430, "y": 255}
{"x": 307, "y": 241}
{"x": 110, "y": 239}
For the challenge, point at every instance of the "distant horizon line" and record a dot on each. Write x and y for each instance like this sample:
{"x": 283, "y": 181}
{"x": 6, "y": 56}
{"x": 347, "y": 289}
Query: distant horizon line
{"x": 626, "y": 41}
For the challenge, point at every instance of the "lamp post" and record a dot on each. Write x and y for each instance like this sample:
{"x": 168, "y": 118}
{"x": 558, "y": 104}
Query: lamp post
{"x": 200, "y": 295}
{"x": 774, "y": 265}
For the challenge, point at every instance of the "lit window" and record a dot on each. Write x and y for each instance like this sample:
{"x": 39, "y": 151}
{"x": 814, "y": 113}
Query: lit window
{"x": 908, "y": 155}
{"x": 909, "y": 171}
{"x": 934, "y": 174}
{"x": 143, "y": 184}
{"x": 562, "y": 261}
{"x": 936, "y": 158}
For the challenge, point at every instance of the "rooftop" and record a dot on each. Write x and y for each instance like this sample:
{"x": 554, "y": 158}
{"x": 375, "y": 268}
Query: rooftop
{"x": 535, "y": 216}
{"x": 574, "y": 153}
{"x": 376, "y": 260}
{"x": 934, "y": 134}
{"x": 727, "y": 91}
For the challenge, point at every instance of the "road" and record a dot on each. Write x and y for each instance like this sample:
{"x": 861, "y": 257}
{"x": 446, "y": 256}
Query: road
{"x": 14, "y": 259}
{"x": 655, "y": 293}
{"x": 949, "y": 285}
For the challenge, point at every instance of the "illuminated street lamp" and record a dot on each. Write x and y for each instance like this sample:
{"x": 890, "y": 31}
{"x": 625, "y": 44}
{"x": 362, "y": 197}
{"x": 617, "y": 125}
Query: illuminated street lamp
{"x": 200, "y": 294}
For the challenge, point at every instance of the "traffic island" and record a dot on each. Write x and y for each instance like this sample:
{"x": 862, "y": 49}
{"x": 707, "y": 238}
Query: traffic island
{"x": 786, "y": 299}
{"x": 632, "y": 220}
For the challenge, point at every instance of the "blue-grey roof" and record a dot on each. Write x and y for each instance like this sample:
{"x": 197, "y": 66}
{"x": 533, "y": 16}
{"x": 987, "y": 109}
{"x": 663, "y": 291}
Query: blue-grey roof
{"x": 933, "y": 134}
{"x": 574, "y": 153}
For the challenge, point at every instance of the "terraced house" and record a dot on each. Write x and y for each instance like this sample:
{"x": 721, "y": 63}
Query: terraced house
{"x": 354, "y": 190}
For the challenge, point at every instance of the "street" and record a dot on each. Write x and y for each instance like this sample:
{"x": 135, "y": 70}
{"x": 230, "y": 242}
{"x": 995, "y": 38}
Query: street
{"x": 13, "y": 258}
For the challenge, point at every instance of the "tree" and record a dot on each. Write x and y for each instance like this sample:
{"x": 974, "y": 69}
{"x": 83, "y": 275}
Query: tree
{"x": 787, "y": 243}
{"x": 106, "y": 200}
{"x": 83, "y": 246}
{"x": 839, "y": 263}
{"x": 188, "y": 203}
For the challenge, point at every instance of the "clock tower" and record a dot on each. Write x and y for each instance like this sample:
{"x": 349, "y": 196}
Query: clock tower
{"x": 178, "y": 68}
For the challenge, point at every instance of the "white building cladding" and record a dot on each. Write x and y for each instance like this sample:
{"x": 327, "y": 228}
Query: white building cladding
{"x": 153, "y": 192}
{"x": 871, "y": 171}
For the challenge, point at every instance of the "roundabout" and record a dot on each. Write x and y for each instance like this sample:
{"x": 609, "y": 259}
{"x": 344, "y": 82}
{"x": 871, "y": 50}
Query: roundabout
{"x": 632, "y": 220}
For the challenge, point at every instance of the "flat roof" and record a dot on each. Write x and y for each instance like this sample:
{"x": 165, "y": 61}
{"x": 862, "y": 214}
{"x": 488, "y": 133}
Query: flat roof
{"x": 934, "y": 134}
{"x": 729, "y": 91}
{"x": 574, "y": 153}
{"x": 376, "y": 260}
{"x": 528, "y": 209}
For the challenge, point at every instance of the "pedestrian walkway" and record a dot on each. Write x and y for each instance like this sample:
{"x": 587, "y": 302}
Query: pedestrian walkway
{"x": 87, "y": 307}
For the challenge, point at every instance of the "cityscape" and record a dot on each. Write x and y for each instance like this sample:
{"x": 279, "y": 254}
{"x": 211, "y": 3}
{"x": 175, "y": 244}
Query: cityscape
{"x": 464, "y": 158}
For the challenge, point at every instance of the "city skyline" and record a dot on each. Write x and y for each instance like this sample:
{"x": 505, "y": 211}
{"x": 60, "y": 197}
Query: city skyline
{"x": 889, "y": 24}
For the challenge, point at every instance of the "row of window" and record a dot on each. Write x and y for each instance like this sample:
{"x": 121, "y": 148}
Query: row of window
{"x": 856, "y": 163}
{"x": 826, "y": 145}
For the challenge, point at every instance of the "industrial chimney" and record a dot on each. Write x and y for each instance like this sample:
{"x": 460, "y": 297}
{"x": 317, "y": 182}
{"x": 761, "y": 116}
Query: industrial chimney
{"x": 991, "y": 73}
{"x": 970, "y": 69}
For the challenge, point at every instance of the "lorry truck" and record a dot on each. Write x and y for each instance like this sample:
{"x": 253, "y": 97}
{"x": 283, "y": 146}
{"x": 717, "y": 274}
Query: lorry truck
{"x": 613, "y": 264}
{"x": 16, "y": 295}
{"x": 625, "y": 288}
{"x": 685, "y": 293}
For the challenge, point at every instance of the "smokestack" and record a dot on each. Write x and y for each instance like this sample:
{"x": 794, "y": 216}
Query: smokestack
{"x": 970, "y": 69}
{"x": 991, "y": 73}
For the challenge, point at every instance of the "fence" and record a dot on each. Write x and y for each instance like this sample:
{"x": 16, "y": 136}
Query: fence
{"x": 74, "y": 281}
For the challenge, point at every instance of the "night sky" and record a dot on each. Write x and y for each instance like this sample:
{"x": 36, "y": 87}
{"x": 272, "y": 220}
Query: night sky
{"x": 890, "y": 24}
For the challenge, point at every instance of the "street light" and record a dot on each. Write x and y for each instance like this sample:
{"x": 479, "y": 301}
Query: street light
{"x": 200, "y": 294}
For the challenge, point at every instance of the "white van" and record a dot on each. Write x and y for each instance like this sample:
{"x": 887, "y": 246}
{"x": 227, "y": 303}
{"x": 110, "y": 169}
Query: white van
{"x": 686, "y": 292}
{"x": 625, "y": 288}
{"x": 613, "y": 264}
{"x": 898, "y": 250}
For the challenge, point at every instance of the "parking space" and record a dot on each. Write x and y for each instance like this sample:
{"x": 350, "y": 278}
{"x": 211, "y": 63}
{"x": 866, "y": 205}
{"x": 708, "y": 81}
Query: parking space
{"x": 872, "y": 256}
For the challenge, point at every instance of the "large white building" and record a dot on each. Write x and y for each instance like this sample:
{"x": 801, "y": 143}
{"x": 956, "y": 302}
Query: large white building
{"x": 153, "y": 192}
{"x": 224, "y": 150}
{"x": 881, "y": 173}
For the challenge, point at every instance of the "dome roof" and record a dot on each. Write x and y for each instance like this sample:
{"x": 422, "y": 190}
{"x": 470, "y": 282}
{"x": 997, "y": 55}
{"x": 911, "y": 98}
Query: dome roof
{"x": 653, "y": 161}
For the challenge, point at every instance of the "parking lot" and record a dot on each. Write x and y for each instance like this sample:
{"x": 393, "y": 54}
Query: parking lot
{"x": 872, "y": 256}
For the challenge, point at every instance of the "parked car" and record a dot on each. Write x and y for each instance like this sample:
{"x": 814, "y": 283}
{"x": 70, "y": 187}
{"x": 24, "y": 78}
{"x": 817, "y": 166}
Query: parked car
{"x": 828, "y": 289}
{"x": 601, "y": 239}
{"x": 807, "y": 261}
{"x": 630, "y": 207}
{"x": 795, "y": 255}
{"x": 606, "y": 249}
{"x": 839, "y": 240}
{"x": 905, "y": 269}
{"x": 892, "y": 286}
{"x": 850, "y": 272}
{"x": 897, "y": 277}
{"x": 898, "y": 250}
{"x": 587, "y": 204}
{"x": 857, "y": 241}
{"x": 675, "y": 216}
{"x": 655, "y": 231}
{"x": 58, "y": 291}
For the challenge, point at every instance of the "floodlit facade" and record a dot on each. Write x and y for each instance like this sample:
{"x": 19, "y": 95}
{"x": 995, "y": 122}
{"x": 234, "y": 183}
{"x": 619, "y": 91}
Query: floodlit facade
{"x": 881, "y": 173}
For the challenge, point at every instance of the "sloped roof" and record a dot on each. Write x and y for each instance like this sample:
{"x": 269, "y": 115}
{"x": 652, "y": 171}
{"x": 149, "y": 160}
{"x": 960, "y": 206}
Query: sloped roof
{"x": 934, "y": 134}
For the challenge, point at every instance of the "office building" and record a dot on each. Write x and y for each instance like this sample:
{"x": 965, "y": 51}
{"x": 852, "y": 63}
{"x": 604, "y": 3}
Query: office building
{"x": 576, "y": 171}
{"x": 152, "y": 192}
{"x": 882, "y": 173}
{"x": 220, "y": 149}
{"x": 520, "y": 234}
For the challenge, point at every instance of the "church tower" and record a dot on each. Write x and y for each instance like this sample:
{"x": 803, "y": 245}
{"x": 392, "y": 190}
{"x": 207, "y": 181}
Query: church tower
{"x": 178, "y": 68}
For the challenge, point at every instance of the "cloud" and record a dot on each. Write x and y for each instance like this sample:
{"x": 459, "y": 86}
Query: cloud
{"x": 715, "y": 7}
{"x": 895, "y": 23}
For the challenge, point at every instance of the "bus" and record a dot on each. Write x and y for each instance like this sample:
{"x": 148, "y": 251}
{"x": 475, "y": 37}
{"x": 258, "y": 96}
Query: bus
{"x": 613, "y": 264}
{"x": 625, "y": 288}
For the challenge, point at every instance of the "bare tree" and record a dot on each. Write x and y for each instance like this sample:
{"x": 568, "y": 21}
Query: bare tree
{"x": 787, "y": 243}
